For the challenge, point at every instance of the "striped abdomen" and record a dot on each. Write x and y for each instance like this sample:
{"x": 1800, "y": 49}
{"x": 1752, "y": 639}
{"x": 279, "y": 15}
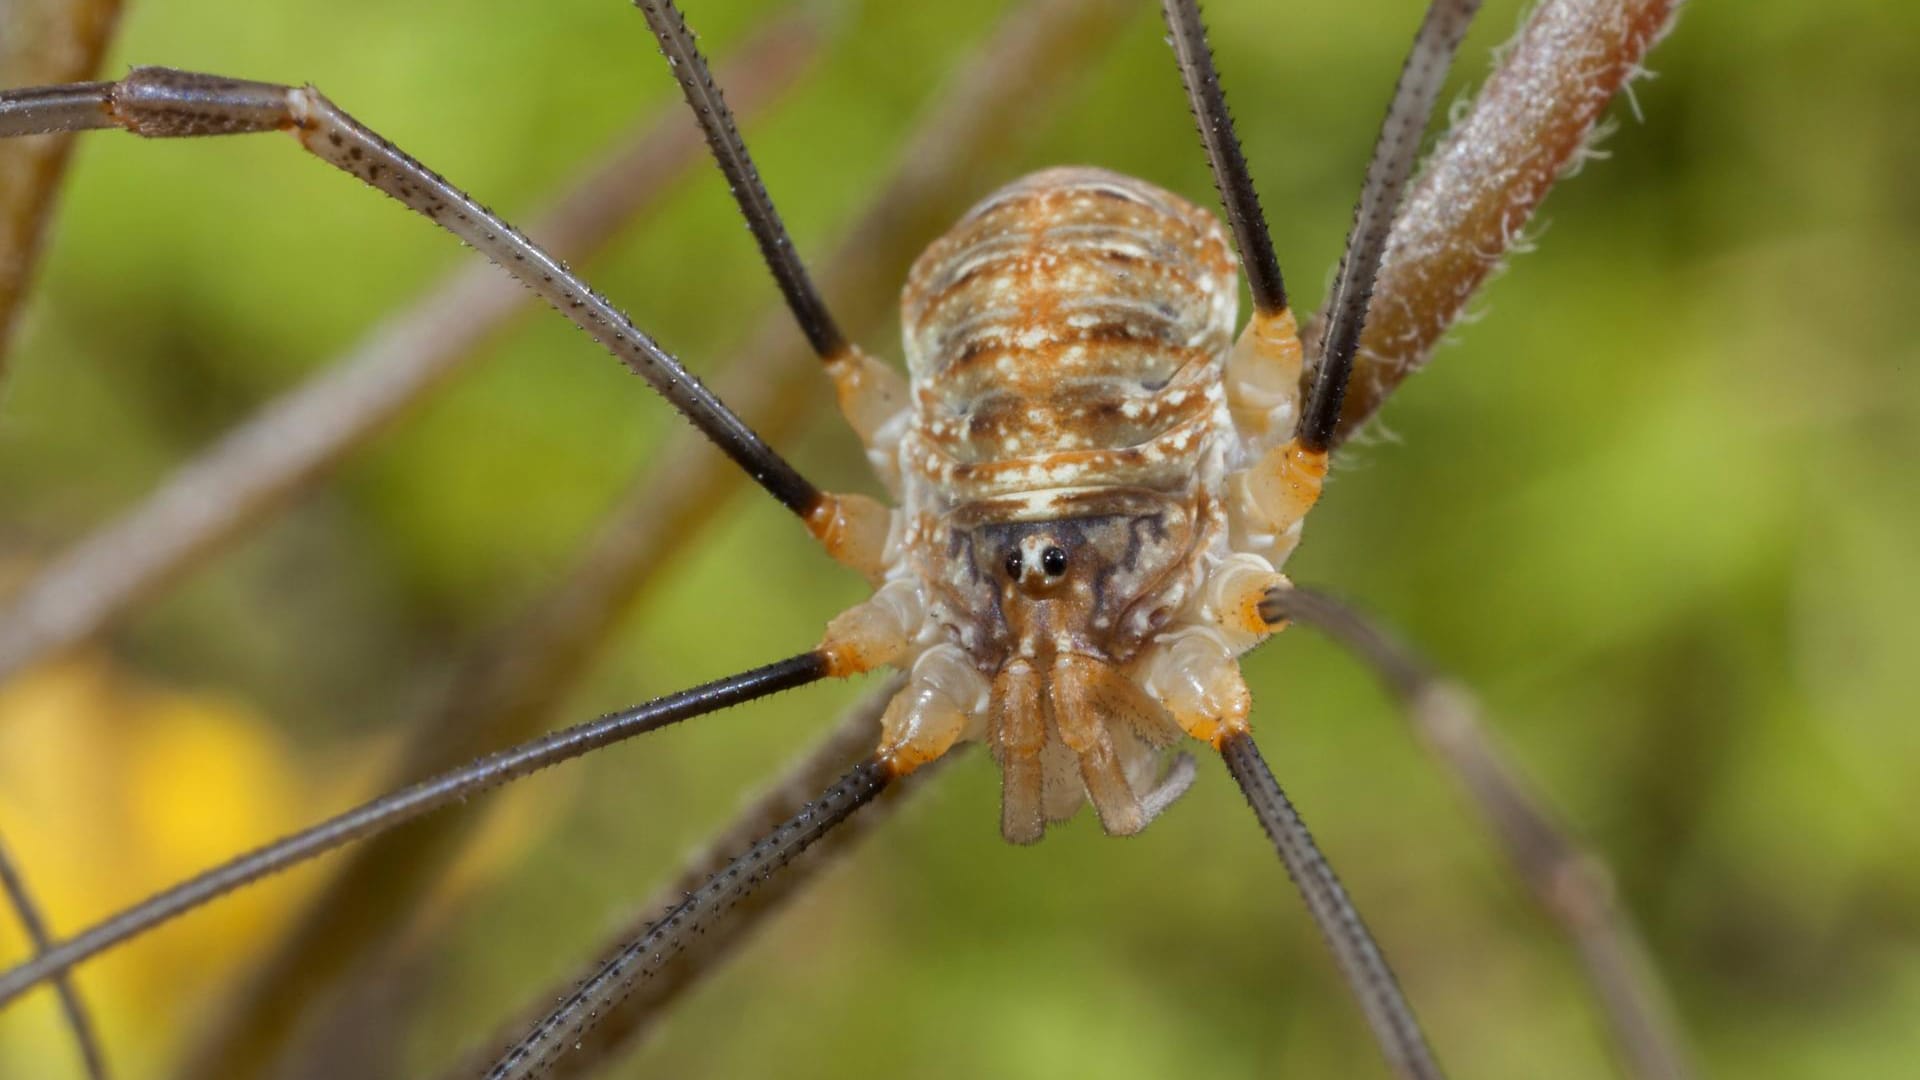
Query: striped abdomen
{"x": 1067, "y": 334}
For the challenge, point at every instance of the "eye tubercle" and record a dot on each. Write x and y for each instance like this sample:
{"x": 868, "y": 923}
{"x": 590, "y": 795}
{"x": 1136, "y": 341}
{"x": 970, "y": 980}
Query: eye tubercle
{"x": 1053, "y": 561}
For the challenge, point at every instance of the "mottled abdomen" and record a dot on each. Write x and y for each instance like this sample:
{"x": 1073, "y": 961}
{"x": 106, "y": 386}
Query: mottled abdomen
{"x": 1064, "y": 470}
{"x": 1067, "y": 334}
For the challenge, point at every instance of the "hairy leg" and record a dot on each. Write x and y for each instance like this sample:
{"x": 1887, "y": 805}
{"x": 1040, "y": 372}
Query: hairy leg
{"x": 257, "y": 468}
{"x": 625, "y": 1027}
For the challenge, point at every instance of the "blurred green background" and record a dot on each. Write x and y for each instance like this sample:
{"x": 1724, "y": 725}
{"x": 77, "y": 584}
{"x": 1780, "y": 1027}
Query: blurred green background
{"x": 1658, "y": 507}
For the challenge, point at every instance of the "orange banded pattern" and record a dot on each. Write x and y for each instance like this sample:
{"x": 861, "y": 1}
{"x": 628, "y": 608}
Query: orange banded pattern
{"x": 1067, "y": 334}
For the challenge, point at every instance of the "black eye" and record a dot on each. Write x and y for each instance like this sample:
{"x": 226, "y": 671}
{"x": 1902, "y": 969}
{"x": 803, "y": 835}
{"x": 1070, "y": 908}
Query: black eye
{"x": 1053, "y": 561}
{"x": 1013, "y": 564}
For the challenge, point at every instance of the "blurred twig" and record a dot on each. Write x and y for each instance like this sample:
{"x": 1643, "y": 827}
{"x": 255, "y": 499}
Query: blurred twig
{"x": 41, "y": 41}
{"x": 75, "y": 1011}
{"x": 506, "y": 690}
{"x": 1570, "y": 883}
{"x": 253, "y": 469}
{"x": 1529, "y": 126}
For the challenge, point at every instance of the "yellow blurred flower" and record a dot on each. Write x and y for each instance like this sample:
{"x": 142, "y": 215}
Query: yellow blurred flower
{"x": 111, "y": 788}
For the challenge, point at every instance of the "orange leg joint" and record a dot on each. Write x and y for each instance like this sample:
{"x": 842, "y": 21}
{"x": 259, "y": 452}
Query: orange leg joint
{"x": 1263, "y": 378}
{"x": 853, "y": 529}
{"x": 874, "y": 632}
{"x": 1196, "y": 677}
{"x": 1285, "y": 483}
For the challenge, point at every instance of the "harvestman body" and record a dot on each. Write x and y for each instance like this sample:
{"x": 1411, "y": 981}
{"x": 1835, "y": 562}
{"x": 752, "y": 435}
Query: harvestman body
{"x": 1093, "y": 503}
{"x": 1096, "y": 485}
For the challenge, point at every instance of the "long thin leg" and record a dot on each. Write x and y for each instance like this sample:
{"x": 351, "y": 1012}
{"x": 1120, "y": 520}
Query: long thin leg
{"x": 164, "y": 103}
{"x": 1393, "y": 157}
{"x": 1529, "y": 125}
{"x": 1270, "y": 498}
{"x": 1360, "y": 960}
{"x": 75, "y": 1010}
{"x": 743, "y": 179}
{"x": 254, "y": 469}
{"x": 505, "y": 692}
{"x": 1569, "y": 882}
{"x": 624, "y": 1027}
{"x": 872, "y": 396}
{"x": 1229, "y": 164}
{"x": 853, "y": 528}
{"x": 1262, "y": 375}
{"x": 645, "y": 957}
{"x": 389, "y": 810}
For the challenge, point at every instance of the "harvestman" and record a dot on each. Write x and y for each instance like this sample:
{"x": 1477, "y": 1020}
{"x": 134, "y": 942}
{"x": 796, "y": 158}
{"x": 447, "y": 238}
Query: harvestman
{"x": 1096, "y": 484}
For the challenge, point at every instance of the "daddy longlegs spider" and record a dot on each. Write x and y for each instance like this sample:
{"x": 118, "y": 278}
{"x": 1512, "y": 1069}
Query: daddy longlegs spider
{"x": 1591, "y": 48}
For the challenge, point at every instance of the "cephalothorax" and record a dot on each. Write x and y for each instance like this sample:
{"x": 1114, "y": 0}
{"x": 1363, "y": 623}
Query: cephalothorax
{"x": 1095, "y": 480}
{"x": 1096, "y": 488}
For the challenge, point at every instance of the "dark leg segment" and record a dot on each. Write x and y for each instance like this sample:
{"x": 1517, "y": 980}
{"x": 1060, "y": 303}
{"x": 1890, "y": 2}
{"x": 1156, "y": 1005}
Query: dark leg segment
{"x": 625, "y": 1027}
{"x": 44, "y": 110}
{"x": 642, "y": 958}
{"x": 389, "y": 810}
{"x": 723, "y": 138}
{"x": 1230, "y": 176}
{"x": 853, "y": 528}
{"x": 1353, "y": 947}
{"x": 163, "y": 103}
{"x": 1393, "y": 157}
{"x": 1570, "y": 883}
{"x": 75, "y": 1011}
